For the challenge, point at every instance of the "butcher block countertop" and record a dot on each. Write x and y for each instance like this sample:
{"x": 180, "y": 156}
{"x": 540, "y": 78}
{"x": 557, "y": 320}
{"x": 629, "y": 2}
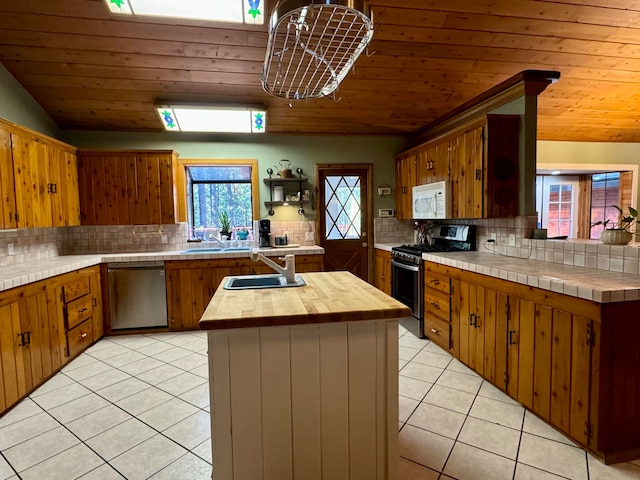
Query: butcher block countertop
{"x": 327, "y": 297}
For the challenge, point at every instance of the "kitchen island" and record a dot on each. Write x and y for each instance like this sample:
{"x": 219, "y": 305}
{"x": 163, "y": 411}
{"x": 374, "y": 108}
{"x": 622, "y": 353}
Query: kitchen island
{"x": 304, "y": 380}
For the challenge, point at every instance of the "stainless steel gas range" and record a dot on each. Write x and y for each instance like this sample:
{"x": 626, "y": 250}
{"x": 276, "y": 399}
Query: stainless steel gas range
{"x": 407, "y": 268}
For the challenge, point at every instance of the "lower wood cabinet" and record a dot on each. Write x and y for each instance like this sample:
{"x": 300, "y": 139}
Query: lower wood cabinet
{"x": 382, "y": 270}
{"x": 573, "y": 362}
{"x": 41, "y": 329}
{"x": 192, "y": 283}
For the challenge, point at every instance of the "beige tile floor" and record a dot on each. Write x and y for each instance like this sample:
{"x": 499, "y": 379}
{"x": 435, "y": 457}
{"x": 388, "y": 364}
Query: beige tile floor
{"x": 137, "y": 407}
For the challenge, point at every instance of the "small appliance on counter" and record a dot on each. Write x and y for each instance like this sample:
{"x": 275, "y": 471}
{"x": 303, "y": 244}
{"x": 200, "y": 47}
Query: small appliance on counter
{"x": 264, "y": 233}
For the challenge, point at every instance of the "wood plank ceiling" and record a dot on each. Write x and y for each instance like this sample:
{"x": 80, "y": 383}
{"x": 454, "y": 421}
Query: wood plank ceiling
{"x": 93, "y": 70}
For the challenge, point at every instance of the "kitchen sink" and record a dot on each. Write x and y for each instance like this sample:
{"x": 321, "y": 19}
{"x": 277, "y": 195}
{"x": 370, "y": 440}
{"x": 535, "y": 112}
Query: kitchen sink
{"x": 216, "y": 250}
{"x": 202, "y": 250}
{"x": 243, "y": 282}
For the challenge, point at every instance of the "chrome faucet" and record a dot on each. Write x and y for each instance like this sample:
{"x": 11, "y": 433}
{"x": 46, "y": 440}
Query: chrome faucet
{"x": 289, "y": 269}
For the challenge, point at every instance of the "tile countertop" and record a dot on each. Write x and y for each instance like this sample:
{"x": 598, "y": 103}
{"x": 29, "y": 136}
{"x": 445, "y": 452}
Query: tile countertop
{"x": 591, "y": 284}
{"x": 12, "y": 276}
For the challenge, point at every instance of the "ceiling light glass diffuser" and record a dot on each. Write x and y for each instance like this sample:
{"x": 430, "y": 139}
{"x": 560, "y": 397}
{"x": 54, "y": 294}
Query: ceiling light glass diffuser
{"x": 234, "y": 11}
{"x": 213, "y": 119}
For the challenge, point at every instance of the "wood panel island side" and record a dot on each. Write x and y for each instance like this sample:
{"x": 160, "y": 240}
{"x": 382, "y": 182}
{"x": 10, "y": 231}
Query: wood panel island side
{"x": 304, "y": 380}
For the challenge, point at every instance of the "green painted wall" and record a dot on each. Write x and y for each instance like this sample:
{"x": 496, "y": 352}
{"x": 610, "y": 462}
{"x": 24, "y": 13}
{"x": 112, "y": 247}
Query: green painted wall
{"x": 18, "y": 106}
{"x": 303, "y": 152}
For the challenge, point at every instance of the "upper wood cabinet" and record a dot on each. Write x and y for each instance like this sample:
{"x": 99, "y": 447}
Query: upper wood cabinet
{"x": 127, "y": 187}
{"x": 481, "y": 162}
{"x": 39, "y": 180}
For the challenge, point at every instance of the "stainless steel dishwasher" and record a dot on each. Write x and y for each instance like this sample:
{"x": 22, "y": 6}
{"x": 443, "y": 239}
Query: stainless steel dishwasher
{"x": 137, "y": 295}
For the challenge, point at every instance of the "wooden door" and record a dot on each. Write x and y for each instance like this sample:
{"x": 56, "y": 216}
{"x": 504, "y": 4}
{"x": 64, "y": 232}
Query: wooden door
{"x": 8, "y": 218}
{"x": 345, "y": 217}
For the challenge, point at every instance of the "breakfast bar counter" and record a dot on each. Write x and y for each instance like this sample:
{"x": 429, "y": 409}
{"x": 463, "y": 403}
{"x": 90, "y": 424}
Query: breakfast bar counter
{"x": 304, "y": 380}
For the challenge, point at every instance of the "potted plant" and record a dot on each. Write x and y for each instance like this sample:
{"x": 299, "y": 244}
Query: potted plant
{"x": 225, "y": 225}
{"x": 620, "y": 231}
{"x": 242, "y": 233}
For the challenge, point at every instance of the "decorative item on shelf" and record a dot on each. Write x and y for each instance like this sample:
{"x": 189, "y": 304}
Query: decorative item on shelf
{"x": 621, "y": 230}
{"x": 225, "y": 225}
{"x": 270, "y": 172}
{"x": 285, "y": 168}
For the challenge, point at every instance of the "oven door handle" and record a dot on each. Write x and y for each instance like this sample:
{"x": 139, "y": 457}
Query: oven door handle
{"x": 405, "y": 267}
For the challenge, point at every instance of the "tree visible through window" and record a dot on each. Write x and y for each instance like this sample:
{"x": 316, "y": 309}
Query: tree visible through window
{"x": 605, "y": 193}
{"x": 216, "y": 189}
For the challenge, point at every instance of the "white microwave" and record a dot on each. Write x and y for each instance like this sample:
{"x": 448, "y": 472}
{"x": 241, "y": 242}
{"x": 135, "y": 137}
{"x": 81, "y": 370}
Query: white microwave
{"x": 431, "y": 201}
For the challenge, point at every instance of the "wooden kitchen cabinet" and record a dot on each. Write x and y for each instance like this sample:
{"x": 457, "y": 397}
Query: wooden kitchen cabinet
{"x": 382, "y": 274}
{"x": 571, "y": 361}
{"x": 192, "y": 283}
{"x": 438, "y": 306}
{"x": 39, "y": 183}
{"x": 35, "y": 321}
{"x": 8, "y": 218}
{"x": 480, "y": 161}
{"x": 127, "y": 187}
{"x": 405, "y": 180}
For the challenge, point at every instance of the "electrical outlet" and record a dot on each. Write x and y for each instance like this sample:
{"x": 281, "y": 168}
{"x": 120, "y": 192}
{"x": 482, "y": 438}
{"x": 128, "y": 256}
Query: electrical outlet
{"x": 512, "y": 240}
{"x": 494, "y": 237}
{"x": 308, "y": 236}
{"x": 10, "y": 250}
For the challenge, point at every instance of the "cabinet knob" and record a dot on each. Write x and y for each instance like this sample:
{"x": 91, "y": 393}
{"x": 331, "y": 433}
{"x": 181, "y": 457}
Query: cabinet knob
{"x": 83, "y": 335}
{"x": 434, "y": 330}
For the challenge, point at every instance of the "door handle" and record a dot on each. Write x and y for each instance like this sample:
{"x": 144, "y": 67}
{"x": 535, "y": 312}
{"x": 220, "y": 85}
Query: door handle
{"x": 365, "y": 245}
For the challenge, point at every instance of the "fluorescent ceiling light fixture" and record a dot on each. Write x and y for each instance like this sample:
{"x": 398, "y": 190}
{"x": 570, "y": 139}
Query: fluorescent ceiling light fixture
{"x": 178, "y": 118}
{"x": 234, "y": 11}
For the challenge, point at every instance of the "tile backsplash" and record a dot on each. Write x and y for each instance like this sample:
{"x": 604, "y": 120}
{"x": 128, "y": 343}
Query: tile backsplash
{"x": 25, "y": 245}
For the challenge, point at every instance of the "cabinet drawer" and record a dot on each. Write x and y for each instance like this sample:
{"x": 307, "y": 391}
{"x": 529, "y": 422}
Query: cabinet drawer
{"x": 437, "y": 282}
{"x": 79, "y": 338}
{"x": 438, "y": 331}
{"x": 79, "y": 310}
{"x": 76, "y": 289}
{"x": 437, "y": 303}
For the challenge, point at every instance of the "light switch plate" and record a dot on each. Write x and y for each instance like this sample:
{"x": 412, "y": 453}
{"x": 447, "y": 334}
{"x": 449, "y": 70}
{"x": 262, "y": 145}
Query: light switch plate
{"x": 383, "y": 191}
{"x": 386, "y": 212}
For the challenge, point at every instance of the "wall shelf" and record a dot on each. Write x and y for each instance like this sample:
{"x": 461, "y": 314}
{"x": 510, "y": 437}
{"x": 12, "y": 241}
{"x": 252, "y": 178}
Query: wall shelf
{"x": 288, "y": 185}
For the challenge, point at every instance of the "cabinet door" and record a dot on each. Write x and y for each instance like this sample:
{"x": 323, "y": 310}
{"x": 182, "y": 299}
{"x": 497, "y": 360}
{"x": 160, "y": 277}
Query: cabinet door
{"x": 472, "y": 325}
{"x": 466, "y": 174}
{"x": 405, "y": 181}
{"x": 96, "y": 300}
{"x": 556, "y": 346}
{"x": 7, "y": 187}
{"x": 383, "y": 271}
{"x": 29, "y": 165}
{"x": 65, "y": 203}
{"x": 13, "y": 375}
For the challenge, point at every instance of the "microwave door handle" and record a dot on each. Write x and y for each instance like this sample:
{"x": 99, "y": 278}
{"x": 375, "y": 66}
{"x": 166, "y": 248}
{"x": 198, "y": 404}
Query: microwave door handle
{"x": 405, "y": 267}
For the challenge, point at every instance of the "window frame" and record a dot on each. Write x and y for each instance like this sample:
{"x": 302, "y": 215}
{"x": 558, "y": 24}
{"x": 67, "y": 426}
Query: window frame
{"x": 181, "y": 187}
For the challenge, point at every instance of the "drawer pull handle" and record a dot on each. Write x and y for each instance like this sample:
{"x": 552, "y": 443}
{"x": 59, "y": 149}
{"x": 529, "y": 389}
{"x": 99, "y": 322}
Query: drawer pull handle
{"x": 435, "y": 281}
{"x": 83, "y": 310}
{"x": 435, "y": 304}
{"x": 434, "y": 330}
{"x": 83, "y": 335}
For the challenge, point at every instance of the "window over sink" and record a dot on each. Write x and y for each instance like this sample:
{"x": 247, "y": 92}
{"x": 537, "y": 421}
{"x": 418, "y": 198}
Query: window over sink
{"x": 214, "y": 187}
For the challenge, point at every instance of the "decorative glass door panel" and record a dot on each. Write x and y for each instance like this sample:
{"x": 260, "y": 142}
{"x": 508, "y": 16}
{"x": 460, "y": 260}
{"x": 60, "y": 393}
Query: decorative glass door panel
{"x": 343, "y": 209}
